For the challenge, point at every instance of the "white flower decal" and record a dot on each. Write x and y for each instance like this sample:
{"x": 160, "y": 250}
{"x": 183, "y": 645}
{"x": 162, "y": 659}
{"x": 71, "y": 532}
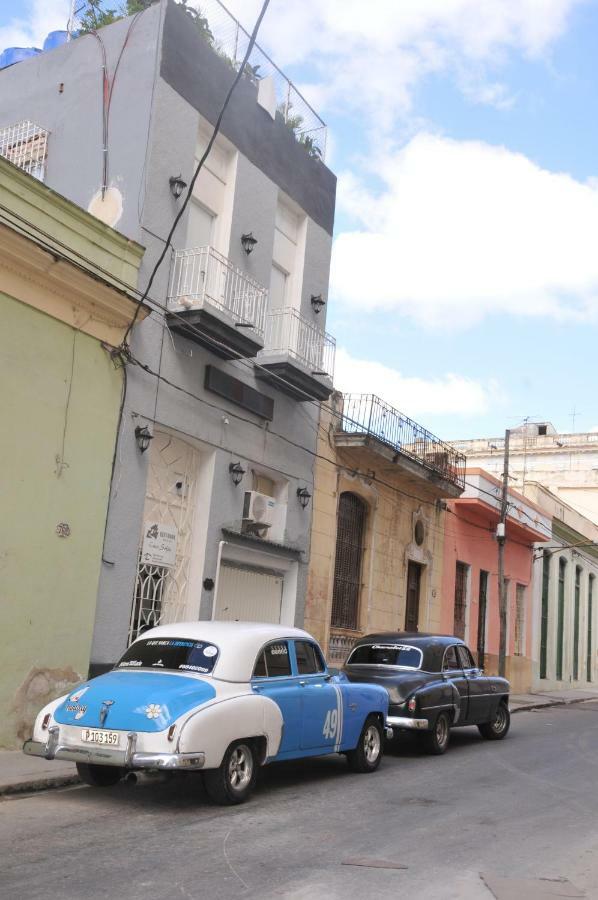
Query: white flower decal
{"x": 153, "y": 711}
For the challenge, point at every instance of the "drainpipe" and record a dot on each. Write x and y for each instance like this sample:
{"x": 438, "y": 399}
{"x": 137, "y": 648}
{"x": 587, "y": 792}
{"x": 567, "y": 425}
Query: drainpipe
{"x": 221, "y": 546}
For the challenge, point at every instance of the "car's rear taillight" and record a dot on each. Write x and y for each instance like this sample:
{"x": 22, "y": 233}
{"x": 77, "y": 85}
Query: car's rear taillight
{"x": 171, "y": 732}
{"x": 412, "y": 704}
{"x": 46, "y": 720}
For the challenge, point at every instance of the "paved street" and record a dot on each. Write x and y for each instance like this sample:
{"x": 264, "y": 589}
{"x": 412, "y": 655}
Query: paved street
{"x": 524, "y": 808}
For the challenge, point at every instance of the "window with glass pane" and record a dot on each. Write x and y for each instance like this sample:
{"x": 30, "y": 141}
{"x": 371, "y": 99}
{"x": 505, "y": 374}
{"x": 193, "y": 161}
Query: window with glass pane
{"x": 277, "y": 659}
{"x": 309, "y": 661}
{"x": 450, "y": 659}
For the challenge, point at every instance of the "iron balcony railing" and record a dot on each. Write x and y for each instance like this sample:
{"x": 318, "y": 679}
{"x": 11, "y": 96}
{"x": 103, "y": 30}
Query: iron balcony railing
{"x": 202, "y": 277}
{"x": 288, "y": 333}
{"x": 368, "y": 414}
{"x": 228, "y": 39}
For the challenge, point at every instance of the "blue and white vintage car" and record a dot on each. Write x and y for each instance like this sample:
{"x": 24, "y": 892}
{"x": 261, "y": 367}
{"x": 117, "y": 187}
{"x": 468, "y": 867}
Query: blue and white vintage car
{"x": 220, "y": 697}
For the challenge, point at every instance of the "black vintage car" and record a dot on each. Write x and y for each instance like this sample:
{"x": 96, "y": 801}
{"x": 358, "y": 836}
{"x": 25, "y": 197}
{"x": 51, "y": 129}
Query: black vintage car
{"x": 434, "y": 685}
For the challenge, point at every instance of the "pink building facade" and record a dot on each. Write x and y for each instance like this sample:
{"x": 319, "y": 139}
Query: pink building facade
{"x": 470, "y": 606}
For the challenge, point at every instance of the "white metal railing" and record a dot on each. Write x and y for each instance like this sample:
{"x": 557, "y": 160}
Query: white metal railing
{"x": 25, "y": 145}
{"x": 230, "y": 40}
{"x": 289, "y": 333}
{"x": 202, "y": 277}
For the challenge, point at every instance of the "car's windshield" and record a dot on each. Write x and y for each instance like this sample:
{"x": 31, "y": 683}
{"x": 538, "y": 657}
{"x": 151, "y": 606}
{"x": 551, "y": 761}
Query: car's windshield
{"x": 170, "y": 653}
{"x": 386, "y": 655}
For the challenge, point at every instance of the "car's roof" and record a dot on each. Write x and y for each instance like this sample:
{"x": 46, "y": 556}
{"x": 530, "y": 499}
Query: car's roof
{"x": 238, "y": 642}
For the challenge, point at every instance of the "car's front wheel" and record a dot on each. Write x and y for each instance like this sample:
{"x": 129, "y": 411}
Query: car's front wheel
{"x": 436, "y": 741}
{"x": 99, "y": 776}
{"x": 233, "y": 781}
{"x": 368, "y": 752}
{"x": 498, "y": 728}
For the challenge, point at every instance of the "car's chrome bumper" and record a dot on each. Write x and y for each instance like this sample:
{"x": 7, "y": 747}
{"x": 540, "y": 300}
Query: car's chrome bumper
{"x": 406, "y": 722}
{"x": 129, "y": 758}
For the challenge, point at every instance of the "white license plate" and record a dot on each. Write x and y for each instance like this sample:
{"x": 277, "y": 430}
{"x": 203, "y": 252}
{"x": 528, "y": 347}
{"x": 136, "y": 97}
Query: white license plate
{"x": 97, "y": 736}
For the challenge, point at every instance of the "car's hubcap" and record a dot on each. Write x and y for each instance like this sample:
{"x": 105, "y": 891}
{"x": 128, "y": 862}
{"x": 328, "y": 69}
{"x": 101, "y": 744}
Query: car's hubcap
{"x": 371, "y": 743}
{"x": 441, "y": 731}
{"x": 240, "y": 767}
{"x": 500, "y": 721}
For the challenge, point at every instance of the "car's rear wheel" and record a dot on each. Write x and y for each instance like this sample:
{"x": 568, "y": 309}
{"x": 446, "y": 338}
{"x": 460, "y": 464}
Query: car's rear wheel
{"x": 498, "y": 728}
{"x": 233, "y": 781}
{"x": 437, "y": 740}
{"x": 99, "y": 776}
{"x": 368, "y": 752}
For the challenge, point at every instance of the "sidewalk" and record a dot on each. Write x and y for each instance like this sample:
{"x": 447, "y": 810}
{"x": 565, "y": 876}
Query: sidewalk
{"x": 20, "y": 773}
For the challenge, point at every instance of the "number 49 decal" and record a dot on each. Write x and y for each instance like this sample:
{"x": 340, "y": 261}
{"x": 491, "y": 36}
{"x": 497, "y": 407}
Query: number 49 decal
{"x": 330, "y": 724}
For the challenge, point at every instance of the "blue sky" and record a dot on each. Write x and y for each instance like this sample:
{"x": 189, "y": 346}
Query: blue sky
{"x": 465, "y": 274}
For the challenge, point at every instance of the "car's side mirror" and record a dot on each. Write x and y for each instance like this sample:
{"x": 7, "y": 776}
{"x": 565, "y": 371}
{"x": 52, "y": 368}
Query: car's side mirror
{"x": 327, "y": 676}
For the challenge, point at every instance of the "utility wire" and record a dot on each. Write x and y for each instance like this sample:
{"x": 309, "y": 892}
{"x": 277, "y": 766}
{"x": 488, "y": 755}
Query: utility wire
{"x": 216, "y": 129}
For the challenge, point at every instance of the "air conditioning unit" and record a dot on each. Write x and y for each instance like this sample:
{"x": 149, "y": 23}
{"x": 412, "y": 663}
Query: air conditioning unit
{"x": 258, "y": 509}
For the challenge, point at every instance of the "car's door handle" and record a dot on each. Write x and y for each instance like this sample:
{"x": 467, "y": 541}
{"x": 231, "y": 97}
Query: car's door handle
{"x": 302, "y": 683}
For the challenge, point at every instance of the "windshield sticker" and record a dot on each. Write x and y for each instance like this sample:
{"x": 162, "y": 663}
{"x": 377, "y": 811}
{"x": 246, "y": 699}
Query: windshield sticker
{"x": 210, "y": 651}
{"x": 392, "y": 647}
{"x": 195, "y": 668}
{"x": 278, "y": 650}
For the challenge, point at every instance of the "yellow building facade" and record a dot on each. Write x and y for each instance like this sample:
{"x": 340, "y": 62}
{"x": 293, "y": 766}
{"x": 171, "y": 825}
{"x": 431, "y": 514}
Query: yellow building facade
{"x": 378, "y": 524}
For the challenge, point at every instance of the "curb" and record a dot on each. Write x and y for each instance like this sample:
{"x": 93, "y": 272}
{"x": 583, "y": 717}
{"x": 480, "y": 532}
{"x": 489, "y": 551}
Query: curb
{"x": 551, "y": 703}
{"x": 38, "y": 784}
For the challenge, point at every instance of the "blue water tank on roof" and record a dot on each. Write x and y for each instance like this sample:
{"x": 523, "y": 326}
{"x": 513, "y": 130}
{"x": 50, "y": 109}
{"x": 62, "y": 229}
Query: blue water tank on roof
{"x": 56, "y": 39}
{"x": 13, "y": 55}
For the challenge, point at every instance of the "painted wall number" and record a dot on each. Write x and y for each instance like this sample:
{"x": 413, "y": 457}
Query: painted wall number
{"x": 330, "y": 724}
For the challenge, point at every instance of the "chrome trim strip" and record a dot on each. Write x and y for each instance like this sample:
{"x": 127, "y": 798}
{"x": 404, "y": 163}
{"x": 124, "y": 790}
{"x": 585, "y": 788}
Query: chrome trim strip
{"x": 125, "y": 758}
{"x": 406, "y": 722}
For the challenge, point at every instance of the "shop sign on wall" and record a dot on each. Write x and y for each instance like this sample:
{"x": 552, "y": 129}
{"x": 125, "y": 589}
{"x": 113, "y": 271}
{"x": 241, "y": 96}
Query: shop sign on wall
{"x": 159, "y": 544}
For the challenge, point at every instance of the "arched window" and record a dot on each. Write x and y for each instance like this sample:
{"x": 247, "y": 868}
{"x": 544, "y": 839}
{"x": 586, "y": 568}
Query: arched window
{"x": 347, "y": 563}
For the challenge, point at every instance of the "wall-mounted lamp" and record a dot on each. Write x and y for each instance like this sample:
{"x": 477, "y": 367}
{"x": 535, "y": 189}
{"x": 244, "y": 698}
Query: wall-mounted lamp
{"x": 236, "y": 472}
{"x": 143, "y": 436}
{"x": 177, "y": 186}
{"x": 303, "y": 496}
{"x": 317, "y": 302}
{"x": 248, "y": 242}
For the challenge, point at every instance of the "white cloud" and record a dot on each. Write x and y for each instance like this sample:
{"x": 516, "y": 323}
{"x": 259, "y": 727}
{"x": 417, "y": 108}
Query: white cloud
{"x": 38, "y": 19}
{"x": 369, "y": 58}
{"x": 464, "y": 229}
{"x": 447, "y": 395}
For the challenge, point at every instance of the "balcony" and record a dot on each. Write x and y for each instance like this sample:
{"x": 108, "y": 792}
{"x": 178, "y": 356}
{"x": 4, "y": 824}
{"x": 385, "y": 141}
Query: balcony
{"x": 388, "y": 442}
{"x": 225, "y": 306}
{"x": 298, "y": 358}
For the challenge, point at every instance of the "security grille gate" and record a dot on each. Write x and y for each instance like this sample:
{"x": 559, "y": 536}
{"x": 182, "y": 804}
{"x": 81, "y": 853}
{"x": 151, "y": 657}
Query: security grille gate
{"x": 347, "y": 563}
{"x": 460, "y": 599}
{"x": 248, "y": 594}
{"x": 161, "y": 591}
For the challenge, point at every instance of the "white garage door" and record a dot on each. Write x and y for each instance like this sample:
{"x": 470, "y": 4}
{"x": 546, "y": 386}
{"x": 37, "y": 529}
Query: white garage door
{"x": 248, "y": 595}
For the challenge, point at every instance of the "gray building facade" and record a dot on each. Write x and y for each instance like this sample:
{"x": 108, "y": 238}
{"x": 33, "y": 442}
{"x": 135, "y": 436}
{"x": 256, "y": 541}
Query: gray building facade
{"x": 213, "y": 519}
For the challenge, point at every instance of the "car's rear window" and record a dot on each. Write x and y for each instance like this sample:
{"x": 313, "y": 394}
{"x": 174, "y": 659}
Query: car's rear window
{"x": 170, "y": 653}
{"x": 386, "y": 655}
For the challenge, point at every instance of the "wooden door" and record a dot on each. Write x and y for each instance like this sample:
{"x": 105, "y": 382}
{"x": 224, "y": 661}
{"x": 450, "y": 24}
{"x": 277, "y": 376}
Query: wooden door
{"x": 414, "y": 573}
